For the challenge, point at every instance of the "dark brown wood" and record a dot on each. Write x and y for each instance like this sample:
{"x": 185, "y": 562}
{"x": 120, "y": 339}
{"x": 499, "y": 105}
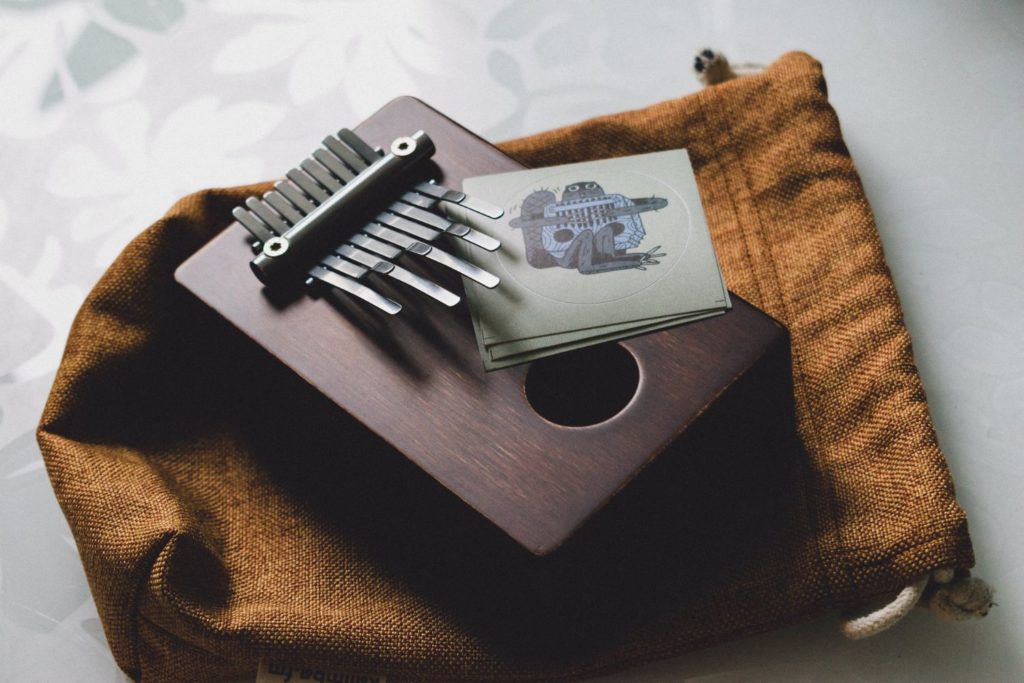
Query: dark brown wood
{"x": 417, "y": 381}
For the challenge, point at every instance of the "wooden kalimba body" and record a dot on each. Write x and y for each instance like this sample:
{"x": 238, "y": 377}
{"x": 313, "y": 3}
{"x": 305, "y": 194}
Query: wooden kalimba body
{"x": 416, "y": 379}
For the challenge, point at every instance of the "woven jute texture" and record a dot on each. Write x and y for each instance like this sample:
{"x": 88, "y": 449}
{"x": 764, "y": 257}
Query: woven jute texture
{"x": 224, "y": 510}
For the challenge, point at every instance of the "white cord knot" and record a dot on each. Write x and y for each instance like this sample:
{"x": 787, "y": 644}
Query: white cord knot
{"x": 961, "y": 599}
{"x": 713, "y": 68}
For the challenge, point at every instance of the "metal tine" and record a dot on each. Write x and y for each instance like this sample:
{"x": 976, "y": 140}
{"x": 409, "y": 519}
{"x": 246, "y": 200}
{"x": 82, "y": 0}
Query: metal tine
{"x": 480, "y": 206}
{"x": 267, "y": 215}
{"x": 253, "y": 224}
{"x": 418, "y": 214}
{"x": 405, "y": 233}
{"x": 334, "y": 165}
{"x": 332, "y": 161}
{"x": 322, "y": 175}
{"x": 364, "y": 258}
{"x": 383, "y": 248}
{"x": 278, "y": 202}
{"x": 399, "y": 239}
{"x": 375, "y": 245}
{"x": 405, "y": 225}
{"x": 410, "y": 204}
{"x": 333, "y": 174}
{"x": 417, "y": 199}
{"x": 410, "y": 227}
{"x": 354, "y": 288}
{"x": 469, "y": 234}
{"x": 346, "y": 154}
{"x": 447, "y": 194}
{"x": 397, "y": 230}
{"x": 325, "y": 175}
{"x": 479, "y": 275}
{"x": 356, "y": 144}
{"x": 299, "y": 199}
{"x": 352, "y": 270}
{"x": 344, "y": 266}
{"x": 436, "y": 254}
{"x": 308, "y": 185}
{"x": 457, "y": 229}
{"x": 359, "y": 146}
{"x": 473, "y": 236}
{"x": 349, "y": 273}
{"x": 384, "y": 267}
{"x": 358, "y": 263}
{"x": 436, "y": 191}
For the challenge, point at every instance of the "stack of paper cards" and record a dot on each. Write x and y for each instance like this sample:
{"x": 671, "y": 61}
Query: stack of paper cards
{"x": 591, "y": 252}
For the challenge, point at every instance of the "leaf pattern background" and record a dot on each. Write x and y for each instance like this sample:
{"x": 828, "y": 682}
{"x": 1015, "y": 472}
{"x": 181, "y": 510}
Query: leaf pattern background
{"x": 111, "y": 109}
{"x": 194, "y": 147}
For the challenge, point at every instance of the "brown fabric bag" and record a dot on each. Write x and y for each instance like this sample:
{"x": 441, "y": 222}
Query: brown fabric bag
{"x": 225, "y": 511}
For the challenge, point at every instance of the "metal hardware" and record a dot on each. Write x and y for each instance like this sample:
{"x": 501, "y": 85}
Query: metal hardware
{"x": 330, "y": 199}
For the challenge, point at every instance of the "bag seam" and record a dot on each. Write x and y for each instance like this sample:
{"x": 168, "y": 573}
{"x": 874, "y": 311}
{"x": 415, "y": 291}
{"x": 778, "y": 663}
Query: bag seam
{"x": 797, "y": 369}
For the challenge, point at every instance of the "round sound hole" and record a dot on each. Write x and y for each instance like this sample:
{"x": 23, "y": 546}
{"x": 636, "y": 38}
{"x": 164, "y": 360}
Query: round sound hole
{"x": 584, "y": 387}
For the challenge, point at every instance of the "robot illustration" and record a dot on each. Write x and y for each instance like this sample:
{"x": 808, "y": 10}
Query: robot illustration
{"x": 587, "y": 229}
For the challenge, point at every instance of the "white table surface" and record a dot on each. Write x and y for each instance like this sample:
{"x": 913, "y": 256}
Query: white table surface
{"x": 111, "y": 110}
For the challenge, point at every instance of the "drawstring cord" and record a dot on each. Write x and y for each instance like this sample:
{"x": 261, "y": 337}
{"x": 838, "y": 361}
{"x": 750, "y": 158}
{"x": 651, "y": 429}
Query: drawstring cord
{"x": 951, "y": 597}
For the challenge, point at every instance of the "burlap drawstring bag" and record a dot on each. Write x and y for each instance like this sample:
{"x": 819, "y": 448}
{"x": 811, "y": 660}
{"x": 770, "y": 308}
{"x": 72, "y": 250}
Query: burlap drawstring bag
{"x": 225, "y": 511}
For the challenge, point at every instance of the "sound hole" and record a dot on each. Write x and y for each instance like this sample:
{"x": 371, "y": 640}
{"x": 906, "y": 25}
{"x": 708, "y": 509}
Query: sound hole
{"x": 583, "y": 387}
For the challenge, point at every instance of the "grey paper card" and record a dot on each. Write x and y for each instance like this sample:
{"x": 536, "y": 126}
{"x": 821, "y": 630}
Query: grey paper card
{"x": 590, "y": 252}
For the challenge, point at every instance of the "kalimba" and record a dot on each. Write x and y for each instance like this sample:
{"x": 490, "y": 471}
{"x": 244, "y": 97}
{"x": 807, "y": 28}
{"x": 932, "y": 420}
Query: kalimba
{"x": 416, "y": 379}
{"x": 352, "y": 210}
